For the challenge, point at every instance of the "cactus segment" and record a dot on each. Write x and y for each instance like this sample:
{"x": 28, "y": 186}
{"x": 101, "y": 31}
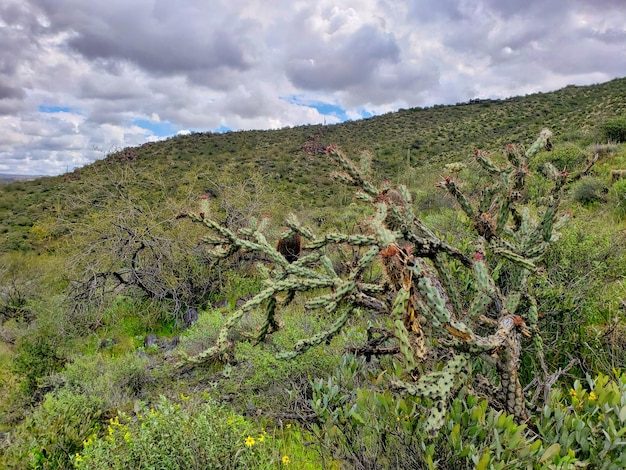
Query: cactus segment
{"x": 542, "y": 142}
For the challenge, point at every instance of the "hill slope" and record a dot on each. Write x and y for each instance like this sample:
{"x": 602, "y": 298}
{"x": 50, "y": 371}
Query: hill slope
{"x": 289, "y": 159}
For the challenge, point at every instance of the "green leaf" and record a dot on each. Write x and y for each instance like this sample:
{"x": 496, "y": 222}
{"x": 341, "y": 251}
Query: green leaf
{"x": 484, "y": 461}
{"x": 550, "y": 452}
{"x": 358, "y": 418}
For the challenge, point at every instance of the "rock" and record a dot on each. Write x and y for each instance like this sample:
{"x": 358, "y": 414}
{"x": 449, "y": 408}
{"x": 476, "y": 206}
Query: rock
{"x": 220, "y": 303}
{"x": 172, "y": 344}
{"x": 190, "y": 317}
{"x": 107, "y": 343}
{"x": 150, "y": 340}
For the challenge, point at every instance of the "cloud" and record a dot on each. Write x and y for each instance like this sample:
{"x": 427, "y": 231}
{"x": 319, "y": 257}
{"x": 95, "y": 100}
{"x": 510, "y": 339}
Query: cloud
{"x": 79, "y": 78}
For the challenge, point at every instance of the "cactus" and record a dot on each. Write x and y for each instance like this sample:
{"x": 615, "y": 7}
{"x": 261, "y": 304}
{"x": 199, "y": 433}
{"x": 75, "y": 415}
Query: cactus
{"x": 437, "y": 328}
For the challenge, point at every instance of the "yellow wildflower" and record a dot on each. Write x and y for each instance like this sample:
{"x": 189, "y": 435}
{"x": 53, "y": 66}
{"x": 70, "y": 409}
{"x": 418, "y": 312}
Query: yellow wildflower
{"x": 572, "y": 392}
{"x": 288, "y": 425}
{"x": 78, "y": 458}
{"x": 592, "y": 396}
{"x": 285, "y": 460}
{"x": 184, "y": 397}
{"x": 261, "y": 438}
{"x": 250, "y": 441}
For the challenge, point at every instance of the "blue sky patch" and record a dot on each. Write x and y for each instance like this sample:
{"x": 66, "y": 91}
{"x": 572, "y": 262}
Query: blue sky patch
{"x": 326, "y": 109}
{"x": 54, "y": 109}
{"x": 158, "y": 128}
{"x": 222, "y": 129}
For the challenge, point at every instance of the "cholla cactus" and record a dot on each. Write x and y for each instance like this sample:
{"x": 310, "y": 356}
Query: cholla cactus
{"x": 434, "y": 322}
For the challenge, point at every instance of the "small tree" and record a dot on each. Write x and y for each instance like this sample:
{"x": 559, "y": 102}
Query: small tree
{"x": 438, "y": 323}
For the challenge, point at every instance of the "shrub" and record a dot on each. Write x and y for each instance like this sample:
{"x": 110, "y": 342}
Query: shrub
{"x": 36, "y": 357}
{"x": 564, "y": 157}
{"x": 369, "y": 428}
{"x": 588, "y": 424}
{"x": 179, "y": 435}
{"x": 589, "y": 190}
{"x": 614, "y": 130}
{"x": 114, "y": 381}
{"x": 52, "y": 435}
{"x": 617, "y": 196}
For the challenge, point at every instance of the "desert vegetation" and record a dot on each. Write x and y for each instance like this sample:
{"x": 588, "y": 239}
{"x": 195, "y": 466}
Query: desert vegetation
{"x": 452, "y": 296}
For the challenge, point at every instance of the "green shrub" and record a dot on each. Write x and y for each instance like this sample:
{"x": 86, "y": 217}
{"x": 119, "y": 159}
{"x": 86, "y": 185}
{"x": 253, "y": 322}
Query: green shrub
{"x": 113, "y": 381}
{"x": 179, "y": 435}
{"x": 590, "y": 424}
{"x": 614, "y": 130}
{"x": 367, "y": 428}
{"x": 589, "y": 190}
{"x": 617, "y": 196}
{"x": 564, "y": 157}
{"x": 52, "y": 435}
{"x": 36, "y": 357}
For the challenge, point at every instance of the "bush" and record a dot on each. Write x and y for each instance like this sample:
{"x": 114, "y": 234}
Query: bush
{"x": 114, "y": 381}
{"x": 52, "y": 435}
{"x": 36, "y": 357}
{"x": 589, "y": 190}
{"x": 614, "y": 130}
{"x": 371, "y": 429}
{"x": 564, "y": 157}
{"x": 180, "y": 436}
{"x": 588, "y": 424}
{"x": 617, "y": 196}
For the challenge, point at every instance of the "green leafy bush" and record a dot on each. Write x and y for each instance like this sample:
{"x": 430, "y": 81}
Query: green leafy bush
{"x": 589, "y": 424}
{"x": 36, "y": 357}
{"x": 617, "y": 196}
{"x": 614, "y": 130}
{"x": 589, "y": 190}
{"x": 51, "y": 436}
{"x": 369, "y": 428}
{"x": 174, "y": 435}
{"x": 113, "y": 381}
{"x": 564, "y": 157}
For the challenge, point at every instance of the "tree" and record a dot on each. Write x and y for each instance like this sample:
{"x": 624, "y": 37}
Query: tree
{"x": 440, "y": 307}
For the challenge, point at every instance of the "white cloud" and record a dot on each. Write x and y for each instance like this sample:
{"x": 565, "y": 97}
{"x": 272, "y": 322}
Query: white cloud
{"x": 187, "y": 66}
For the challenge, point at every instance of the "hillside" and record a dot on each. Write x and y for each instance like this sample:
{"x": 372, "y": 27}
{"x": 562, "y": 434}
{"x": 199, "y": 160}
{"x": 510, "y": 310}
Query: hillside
{"x": 467, "y": 309}
{"x": 291, "y": 160}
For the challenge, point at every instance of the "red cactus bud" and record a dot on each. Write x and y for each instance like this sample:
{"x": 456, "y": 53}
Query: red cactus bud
{"x": 204, "y": 196}
{"x": 448, "y": 180}
{"x": 479, "y": 256}
{"x": 330, "y": 148}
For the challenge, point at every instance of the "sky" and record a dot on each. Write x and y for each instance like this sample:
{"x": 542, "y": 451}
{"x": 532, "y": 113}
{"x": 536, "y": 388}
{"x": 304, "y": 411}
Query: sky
{"x": 82, "y": 78}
